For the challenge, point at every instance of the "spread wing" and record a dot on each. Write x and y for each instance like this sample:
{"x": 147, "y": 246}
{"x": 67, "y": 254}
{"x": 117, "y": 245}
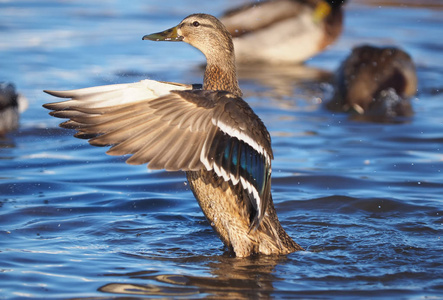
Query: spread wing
{"x": 185, "y": 130}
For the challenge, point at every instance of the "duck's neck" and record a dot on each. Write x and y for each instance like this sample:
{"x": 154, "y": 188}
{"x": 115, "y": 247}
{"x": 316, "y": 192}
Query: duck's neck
{"x": 221, "y": 75}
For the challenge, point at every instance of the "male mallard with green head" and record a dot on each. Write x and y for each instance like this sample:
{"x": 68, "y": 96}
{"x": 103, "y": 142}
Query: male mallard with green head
{"x": 283, "y": 31}
{"x": 211, "y": 133}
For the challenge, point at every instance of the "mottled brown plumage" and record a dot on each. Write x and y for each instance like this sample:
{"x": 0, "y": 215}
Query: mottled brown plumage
{"x": 219, "y": 79}
{"x": 212, "y": 134}
{"x": 226, "y": 208}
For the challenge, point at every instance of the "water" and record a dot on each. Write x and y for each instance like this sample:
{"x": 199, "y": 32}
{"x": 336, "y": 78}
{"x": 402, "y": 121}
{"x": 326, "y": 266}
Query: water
{"x": 364, "y": 199}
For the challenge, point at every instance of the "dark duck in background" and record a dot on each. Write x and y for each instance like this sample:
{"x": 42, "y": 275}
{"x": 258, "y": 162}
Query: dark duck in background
{"x": 375, "y": 84}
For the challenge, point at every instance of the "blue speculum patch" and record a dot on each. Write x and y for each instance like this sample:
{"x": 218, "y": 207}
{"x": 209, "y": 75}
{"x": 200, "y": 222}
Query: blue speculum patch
{"x": 241, "y": 159}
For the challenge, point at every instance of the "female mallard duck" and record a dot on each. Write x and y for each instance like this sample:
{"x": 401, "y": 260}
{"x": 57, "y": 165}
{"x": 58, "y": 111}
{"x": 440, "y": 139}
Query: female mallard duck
{"x": 212, "y": 134}
{"x": 283, "y": 31}
{"x": 375, "y": 83}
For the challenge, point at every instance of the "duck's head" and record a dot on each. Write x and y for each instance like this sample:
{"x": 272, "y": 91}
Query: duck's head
{"x": 204, "y": 32}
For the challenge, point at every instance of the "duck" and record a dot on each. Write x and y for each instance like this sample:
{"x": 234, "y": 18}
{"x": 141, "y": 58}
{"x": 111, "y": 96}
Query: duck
{"x": 375, "y": 84}
{"x": 11, "y": 105}
{"x": 210, "y": 133}
{"x": 282, "y": 32}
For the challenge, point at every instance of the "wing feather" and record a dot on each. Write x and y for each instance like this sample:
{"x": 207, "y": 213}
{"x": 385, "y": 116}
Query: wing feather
{"x": 139, "y": 142}
{"x": 180, "y": 130}
{"x": 155, "y": 147}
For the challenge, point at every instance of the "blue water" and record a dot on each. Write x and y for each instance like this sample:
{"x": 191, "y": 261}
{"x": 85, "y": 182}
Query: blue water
{"x": 364, "y": 199}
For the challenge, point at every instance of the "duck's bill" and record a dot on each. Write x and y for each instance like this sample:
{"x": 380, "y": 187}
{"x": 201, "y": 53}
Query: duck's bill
{"x": 167, "y": 35}
{"x": 321, "y": 11}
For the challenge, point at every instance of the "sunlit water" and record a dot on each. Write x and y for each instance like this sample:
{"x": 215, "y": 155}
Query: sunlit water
{"x": 364, "y": 199}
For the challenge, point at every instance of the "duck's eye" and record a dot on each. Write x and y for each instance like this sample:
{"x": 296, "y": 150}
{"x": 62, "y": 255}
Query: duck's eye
{"x": 195, "y": 24}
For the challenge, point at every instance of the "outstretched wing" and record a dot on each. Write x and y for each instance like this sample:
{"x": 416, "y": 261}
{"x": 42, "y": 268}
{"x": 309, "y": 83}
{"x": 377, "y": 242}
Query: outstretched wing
{"x": 184, "y": 130}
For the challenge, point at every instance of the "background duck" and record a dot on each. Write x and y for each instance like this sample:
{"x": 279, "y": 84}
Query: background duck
{"x": 11, "y": 104}
{"x": 283, "y": 31}
{"x": 212, "y": 134}
{"x": 375, "y": 83}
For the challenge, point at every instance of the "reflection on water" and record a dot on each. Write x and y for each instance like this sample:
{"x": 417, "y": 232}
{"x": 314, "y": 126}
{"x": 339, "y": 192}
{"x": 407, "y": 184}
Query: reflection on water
{"x": 363, "y": 199}
{"x": 282, "y": 81}
{"x": 230, "y": 278}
